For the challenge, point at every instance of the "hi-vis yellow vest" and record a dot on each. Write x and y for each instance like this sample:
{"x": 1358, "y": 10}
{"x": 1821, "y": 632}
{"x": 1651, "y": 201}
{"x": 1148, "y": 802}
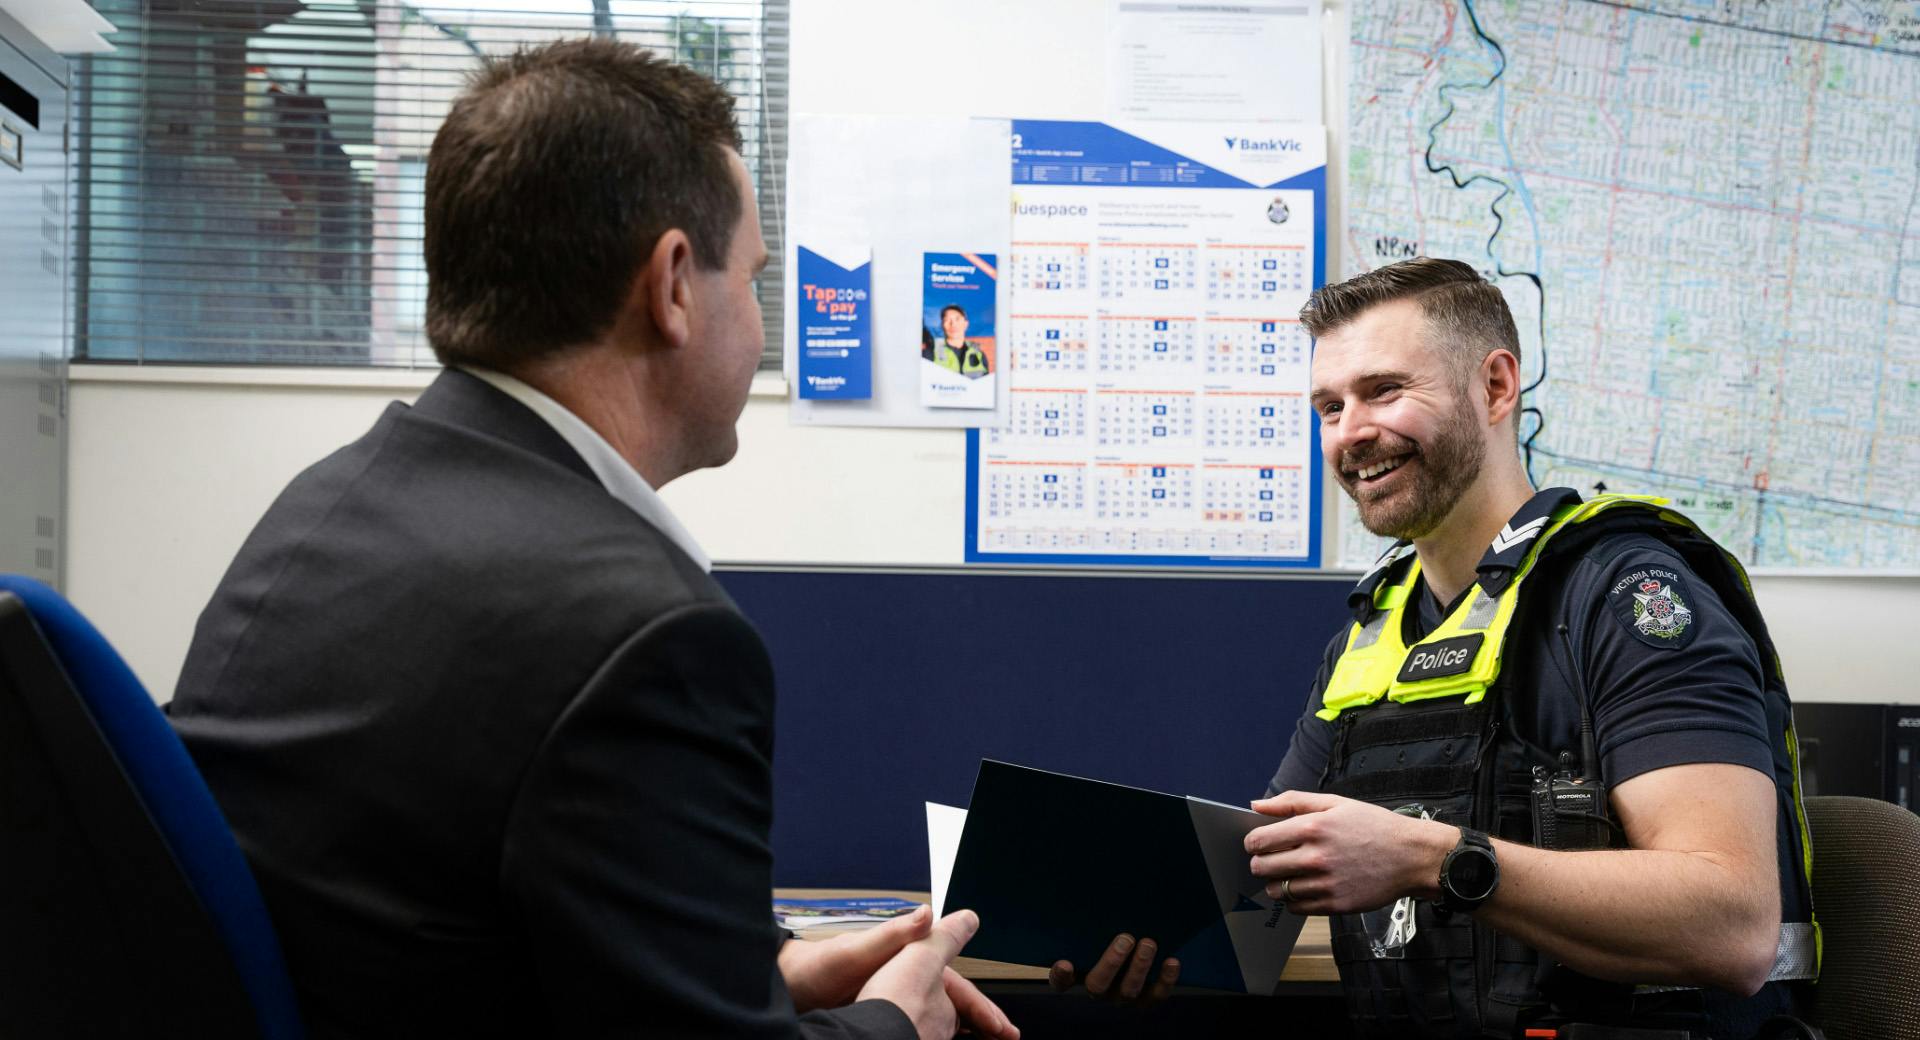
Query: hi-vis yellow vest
{"x": 966, "y": 360}
{"x": 1461, "y": 656}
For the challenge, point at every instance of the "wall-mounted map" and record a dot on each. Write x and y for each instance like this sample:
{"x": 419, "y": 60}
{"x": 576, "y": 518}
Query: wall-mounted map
{"x": 1706, "y": 215}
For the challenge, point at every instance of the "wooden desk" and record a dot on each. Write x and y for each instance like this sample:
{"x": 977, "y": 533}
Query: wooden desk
{"x": 1312, "y": 959}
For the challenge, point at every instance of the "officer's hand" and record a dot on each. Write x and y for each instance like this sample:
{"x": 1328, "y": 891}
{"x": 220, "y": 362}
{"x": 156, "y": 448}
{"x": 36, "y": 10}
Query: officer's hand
{"x": 1120, "y": 975}
{"x": 1336, "y": 855}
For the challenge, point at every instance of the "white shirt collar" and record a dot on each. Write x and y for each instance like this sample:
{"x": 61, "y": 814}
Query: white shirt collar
{"x": 620, "y": 479}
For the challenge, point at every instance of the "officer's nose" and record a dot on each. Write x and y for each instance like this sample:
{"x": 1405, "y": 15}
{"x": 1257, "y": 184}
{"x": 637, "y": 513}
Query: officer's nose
{"x": 1355, "y": 429}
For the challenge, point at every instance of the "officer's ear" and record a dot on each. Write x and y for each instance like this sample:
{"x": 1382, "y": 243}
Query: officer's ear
{"x": 1500, "y": 382}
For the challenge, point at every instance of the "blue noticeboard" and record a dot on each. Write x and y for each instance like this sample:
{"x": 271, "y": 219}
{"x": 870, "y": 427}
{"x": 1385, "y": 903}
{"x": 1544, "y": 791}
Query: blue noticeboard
{"x": 1172, "y": 683}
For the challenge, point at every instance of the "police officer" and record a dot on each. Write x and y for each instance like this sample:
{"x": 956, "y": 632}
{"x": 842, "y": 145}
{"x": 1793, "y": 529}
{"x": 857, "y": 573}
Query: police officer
{"x": 952, "y": 350}
{"x": 1553, "y": 730}
{"x": 1540, "y": 676}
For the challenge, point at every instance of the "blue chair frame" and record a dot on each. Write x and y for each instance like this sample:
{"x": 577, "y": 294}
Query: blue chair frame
{"x": 126, "y": 907}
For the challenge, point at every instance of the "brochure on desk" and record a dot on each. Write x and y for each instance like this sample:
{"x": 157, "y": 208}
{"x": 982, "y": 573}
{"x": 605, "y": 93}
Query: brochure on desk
{"x": 1157, "y": 372}
{"x": 1057, "y": 865}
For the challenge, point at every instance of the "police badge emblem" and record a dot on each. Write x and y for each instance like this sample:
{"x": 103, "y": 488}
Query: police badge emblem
{"x": 1651, "y": 604}
{"x": 1658, "y": 610}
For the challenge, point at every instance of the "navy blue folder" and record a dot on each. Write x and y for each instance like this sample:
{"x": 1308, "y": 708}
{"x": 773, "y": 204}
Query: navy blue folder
{"x": 1057, "y": 865}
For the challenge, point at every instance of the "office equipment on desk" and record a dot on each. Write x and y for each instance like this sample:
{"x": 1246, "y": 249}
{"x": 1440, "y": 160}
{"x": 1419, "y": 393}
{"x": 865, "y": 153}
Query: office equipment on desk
{"x": 1058, "y": 865}
{"x": 1867, "y": 750}
{"x": 126, "y": 908}
{"x": 799, "y": 913}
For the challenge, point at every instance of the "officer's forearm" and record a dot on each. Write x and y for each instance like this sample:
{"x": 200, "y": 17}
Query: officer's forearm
{"x": 1641, "y": 915}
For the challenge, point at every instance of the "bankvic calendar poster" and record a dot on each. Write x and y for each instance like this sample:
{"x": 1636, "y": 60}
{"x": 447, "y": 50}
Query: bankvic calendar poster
{"x": 1158, "y": 373}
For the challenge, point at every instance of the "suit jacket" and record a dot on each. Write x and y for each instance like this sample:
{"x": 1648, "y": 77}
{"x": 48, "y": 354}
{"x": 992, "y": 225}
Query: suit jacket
{"x": 498, "y": 750}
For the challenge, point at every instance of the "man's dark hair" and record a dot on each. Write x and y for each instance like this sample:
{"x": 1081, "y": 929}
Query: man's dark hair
{"x": 1468, "y": 316}
{"x": 555, "y": 174}
{"x": 952, "y": 307}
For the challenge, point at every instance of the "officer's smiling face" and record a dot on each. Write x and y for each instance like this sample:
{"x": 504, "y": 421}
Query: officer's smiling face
{"x": 1396, "y": 426}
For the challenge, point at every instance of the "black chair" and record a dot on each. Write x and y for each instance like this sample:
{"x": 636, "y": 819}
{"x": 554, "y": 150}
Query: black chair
{"x": 126, "y": 908}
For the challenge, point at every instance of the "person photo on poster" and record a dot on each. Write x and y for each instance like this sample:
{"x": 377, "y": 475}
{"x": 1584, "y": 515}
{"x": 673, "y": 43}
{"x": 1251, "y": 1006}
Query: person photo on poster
{"x": 957, "y": 330}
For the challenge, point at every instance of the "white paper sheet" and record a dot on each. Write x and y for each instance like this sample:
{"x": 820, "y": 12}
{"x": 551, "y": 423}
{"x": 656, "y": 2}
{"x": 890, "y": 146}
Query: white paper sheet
{"x": 944, "y": 825}
{"x": 1199, "y": 61}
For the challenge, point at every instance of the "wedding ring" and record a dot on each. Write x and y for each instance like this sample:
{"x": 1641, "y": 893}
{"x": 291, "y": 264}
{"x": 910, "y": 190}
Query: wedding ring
{"x": 1286, "y": 896}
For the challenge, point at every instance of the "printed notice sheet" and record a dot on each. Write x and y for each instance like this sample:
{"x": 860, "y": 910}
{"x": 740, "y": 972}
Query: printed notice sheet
{"x": 1156, "y": 365}
{"x": 834, "y": 312}
{"x": 956, "y": 330}
{"x": 1173, "y": 60}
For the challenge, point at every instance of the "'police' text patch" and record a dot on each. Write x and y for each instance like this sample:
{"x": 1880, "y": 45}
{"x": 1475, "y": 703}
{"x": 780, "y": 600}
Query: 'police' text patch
{"x": 1653, "y": 606}
{"x": 1446, "y": 657}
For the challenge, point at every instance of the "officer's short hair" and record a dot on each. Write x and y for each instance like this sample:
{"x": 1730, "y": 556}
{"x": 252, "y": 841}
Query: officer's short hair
{"x": 952, "y": 307}
{"x": 1467, "y": 314}
{"x": 552, "y": 179}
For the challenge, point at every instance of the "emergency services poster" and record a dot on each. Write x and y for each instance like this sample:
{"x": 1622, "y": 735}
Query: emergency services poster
{"x": 957, "y": 365}
{"x": 1157, "y": 370}
{"x": 834, "y": 314}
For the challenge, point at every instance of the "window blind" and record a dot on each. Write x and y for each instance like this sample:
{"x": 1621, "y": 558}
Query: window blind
{"x": 249, "y": 173}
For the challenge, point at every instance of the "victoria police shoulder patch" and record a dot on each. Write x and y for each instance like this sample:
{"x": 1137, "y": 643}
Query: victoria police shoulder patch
{"x": 1653, "y": 604}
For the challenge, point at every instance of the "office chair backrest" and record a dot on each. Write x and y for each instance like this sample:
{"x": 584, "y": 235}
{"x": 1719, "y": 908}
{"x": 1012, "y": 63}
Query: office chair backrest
{"x": 126, "y": 908}
{"x": 1866, "y": 893}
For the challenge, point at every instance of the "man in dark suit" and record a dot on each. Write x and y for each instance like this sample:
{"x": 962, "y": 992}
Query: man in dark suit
{"x": 496, "y": 744}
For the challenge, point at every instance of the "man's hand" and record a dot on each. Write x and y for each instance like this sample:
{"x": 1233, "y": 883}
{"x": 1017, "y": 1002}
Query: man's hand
{"x": 827, "y": 973}
{"x": 918, "y": 980}
{"x": 1106, "y": 981}
{"x": 1334, "y": 855}
{"x": 832, "y": 972}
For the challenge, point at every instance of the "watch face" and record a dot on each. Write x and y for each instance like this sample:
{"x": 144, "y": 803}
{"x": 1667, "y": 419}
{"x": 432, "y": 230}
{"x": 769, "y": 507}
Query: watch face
{"x": 1471, "y": 873}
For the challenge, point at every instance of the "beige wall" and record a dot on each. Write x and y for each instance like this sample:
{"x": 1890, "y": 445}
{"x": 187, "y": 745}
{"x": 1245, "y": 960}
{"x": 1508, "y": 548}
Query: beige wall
{"x": 170, "y": 468}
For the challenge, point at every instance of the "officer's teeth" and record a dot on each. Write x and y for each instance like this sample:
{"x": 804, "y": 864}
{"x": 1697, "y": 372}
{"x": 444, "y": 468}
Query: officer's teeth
{"x": 1378, "y": 468}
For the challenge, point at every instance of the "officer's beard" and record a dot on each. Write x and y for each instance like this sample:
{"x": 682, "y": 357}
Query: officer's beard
{"x": 1439, "y": 472}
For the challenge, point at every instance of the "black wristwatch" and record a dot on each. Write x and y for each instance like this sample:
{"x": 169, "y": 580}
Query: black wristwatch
{"x": 1469, "y": 874}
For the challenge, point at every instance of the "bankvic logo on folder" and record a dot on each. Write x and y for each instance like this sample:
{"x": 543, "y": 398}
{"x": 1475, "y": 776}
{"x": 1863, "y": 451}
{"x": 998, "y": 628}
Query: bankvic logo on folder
{"x": 1057, "y": 865}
